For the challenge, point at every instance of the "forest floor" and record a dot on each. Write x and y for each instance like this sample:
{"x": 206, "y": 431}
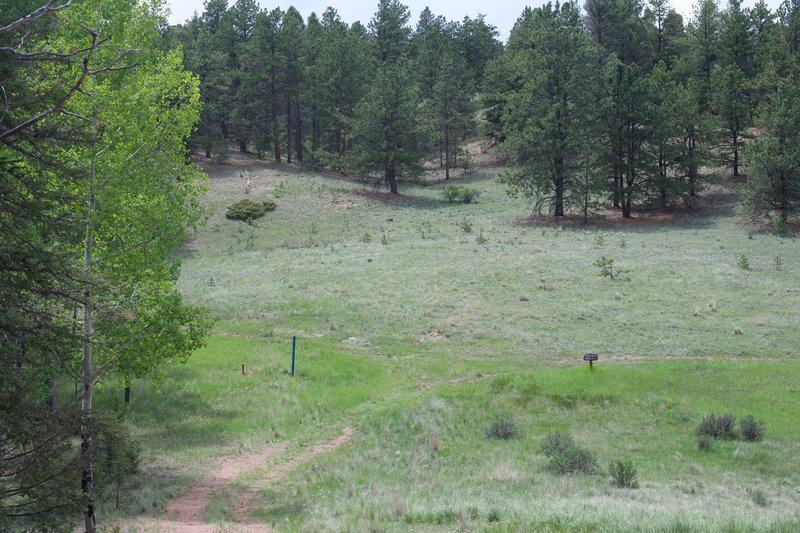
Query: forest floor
{"x": 420, "y": 322}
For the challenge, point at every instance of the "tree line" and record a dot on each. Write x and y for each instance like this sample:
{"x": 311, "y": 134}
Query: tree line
{"x": 625, "y": 105}
{"x": 620, "y": 104}
{"x": 376, "y": 99}
{"x": 95, "y": 195}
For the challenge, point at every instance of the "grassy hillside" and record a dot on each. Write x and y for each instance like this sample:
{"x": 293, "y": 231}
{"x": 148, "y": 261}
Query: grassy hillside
{"x": 419, "y": 334}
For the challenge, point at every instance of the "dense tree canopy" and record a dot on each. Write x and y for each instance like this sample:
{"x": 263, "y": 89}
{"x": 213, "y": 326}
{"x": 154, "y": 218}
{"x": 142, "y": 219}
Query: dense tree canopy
{"x": 674, "y": 100}
{"x": 309, "y": 88}
{"x": 96, "y": 195}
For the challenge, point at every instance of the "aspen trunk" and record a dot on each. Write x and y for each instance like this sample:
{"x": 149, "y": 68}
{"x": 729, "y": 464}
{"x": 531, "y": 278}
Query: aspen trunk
{"x": 87, "y": 479}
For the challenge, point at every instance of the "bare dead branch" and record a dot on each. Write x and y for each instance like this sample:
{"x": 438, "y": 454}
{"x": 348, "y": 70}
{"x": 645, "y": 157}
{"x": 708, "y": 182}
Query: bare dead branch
{"x": 86, "y": 72}
{"x": 48, "y": 7}
{"x": 80, "y": 117}
{"x": 41, "y": 56}
{"x": 5, "y": 103}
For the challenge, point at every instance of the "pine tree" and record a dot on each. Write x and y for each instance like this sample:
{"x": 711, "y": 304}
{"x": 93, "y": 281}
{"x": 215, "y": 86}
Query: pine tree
{"x": 703, "y": 36}
{"x": 450, "y": 107}
{"x": 628, "y": 119}
{"x": 388, "y": 133}
{"x": 547, "y": 121}
{"x": 773, "y": 156}
{"x": 773, "y": 181}
{"x": 478, "y": 45}
{"x": 291, "y": 44}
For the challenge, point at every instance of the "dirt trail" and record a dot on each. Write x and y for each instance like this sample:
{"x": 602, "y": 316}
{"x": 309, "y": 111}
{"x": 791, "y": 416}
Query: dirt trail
{"x": 244, "y": 502}
{"x": 185, "y": 514}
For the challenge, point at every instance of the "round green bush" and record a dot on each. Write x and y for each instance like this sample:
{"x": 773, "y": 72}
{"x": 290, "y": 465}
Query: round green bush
{"x": 248, "y": 210}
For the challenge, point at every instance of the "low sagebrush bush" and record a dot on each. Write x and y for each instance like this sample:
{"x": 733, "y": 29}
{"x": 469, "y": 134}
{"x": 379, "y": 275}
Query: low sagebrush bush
{"x": 556, "y": 443}
{"x": 623, "y": 474}
{"x": 704, "y": 443}
{"x": 248, "y": 210}
{"x": 566, "y": 457}
{"x": 574, "y": 460}
{"x": 718, "y": 426}
{"x": 503, "y": 427}
{"x": 751, "y": 429}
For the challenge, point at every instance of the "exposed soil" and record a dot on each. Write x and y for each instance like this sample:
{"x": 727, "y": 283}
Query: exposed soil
{"x": 185, "y": 514}
{"x": 244, "y": 503}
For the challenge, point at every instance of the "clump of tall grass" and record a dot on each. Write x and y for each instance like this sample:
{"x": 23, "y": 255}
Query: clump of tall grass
{"x": 503, "y": 427}
{"x": 623, "y": 474}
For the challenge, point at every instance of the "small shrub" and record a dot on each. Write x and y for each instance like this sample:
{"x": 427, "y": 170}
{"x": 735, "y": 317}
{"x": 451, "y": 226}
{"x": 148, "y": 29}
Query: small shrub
{"x": 704, "y": 443}
{"x": 623, "y": 474}
{"x": 778, "y": 263}
{"x": 451, "y": 193}
{"x": 743, "y": 262}
{"x": 493, "y": 516}
{"x": 468, "y": 194}
{"x": 599, "y": 240}
{"x": 248, "y": 210}
{"x": 606, "y": 266}
{"x": 556, "y": 442}
{"x": 479, "y": 238}
{"x": 503, "y": 427}
{"x": 718, "y": 426}
{"x": 465, "y": 225}
{"x": 751, "y": 429}
{"x": 574, "y": 460}
{"x": 566, "y": 457}
{"x": 367, "y": 238}
{"x": 623, "y": 243}
{"x": 384, "y": 239}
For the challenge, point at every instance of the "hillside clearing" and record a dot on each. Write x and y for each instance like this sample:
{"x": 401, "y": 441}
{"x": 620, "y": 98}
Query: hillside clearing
{"x": 417, "y": 335}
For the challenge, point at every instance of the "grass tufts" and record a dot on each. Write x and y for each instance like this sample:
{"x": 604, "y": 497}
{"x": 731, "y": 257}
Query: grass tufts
{"x": 503, "y": 427}
{"x": 705, "y": 443}
{"x": 623, "y": 474}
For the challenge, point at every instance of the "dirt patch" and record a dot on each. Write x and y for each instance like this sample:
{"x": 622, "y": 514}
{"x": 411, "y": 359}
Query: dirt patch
{"x": 185, "y": 514}
{"x": 244, "y": 503}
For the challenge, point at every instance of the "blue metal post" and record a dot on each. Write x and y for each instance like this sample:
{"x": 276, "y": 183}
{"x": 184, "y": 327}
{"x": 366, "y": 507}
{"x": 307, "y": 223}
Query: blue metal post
{"x": 294, "y": 345}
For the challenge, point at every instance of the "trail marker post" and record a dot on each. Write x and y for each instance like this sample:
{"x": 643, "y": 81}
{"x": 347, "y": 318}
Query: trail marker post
{"x": 294, "y": 349}
{"x": 591, "y": 357}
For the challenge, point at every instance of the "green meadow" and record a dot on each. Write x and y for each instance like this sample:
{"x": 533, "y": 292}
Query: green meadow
{"x": 420, "y": 322}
